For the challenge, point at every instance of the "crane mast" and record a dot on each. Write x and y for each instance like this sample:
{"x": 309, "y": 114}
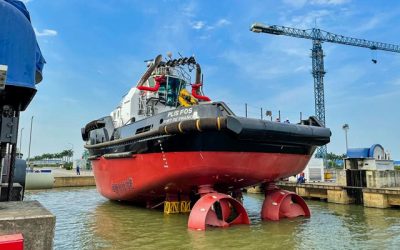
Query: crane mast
{"x": 319, "y": 36}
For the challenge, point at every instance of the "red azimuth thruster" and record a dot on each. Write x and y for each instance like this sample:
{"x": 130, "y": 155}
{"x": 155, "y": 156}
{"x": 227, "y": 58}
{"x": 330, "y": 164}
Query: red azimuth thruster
{"x": 216, "y": 209}
{"x": 280, "y": 204}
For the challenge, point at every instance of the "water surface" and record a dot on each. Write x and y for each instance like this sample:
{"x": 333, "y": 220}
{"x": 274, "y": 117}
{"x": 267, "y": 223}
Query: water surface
{"x": 86, "y": 220}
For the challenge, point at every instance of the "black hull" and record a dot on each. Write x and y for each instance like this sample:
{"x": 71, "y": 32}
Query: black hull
{"x": 214, "y": 141}
{"x": 226, "y": 134}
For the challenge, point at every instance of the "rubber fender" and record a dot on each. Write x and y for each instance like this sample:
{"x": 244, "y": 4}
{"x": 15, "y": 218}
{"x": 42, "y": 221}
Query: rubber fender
{"x": 212, "y": 123}
{"x": 172, "y": 128}
{"x": 204, "y": 124}
{"x": 188, "y": 126}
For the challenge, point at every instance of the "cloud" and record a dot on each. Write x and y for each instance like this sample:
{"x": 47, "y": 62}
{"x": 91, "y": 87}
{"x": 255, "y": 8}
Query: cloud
{"x": 254, "y": 64}
{"x": 384, "y": 95}
{"x": 329, "y": 2}
{"x": 46, "y": 32}
{"x": 222, "y": 22}
{"x": 150, "y": 11}
{"x": 309, "y": 19}
{"x": 295, "y": 3}
{"x": 69, "y": 100}
{"x": 189, "y": 9}
{"x": 205, "y": 37}
{"x": 172, "y": 27}
{"x": 293, "y": 93}
{"x": 198, "y": 25}
{"x": 376, "y": 20}
{"x": 303, "y": 68}
{"x": 370, "y": 24}
{"x": 218, "y": 24}
{"x": 302, "y": 3}
{"x": 396, "y": 82}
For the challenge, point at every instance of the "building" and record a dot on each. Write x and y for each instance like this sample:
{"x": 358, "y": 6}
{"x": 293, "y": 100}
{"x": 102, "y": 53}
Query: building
{"x": 372, "y": 158}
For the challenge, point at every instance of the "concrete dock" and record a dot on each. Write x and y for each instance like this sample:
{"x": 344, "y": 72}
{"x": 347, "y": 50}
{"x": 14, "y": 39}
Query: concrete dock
{"x": 31, "y": 219}
{"x": 69, "y": 178}
{"x": 340, "y": 194}
{"x": 381, "y": 197}
{"x": 322, "y": 190}
{"x": 74, "y": 181}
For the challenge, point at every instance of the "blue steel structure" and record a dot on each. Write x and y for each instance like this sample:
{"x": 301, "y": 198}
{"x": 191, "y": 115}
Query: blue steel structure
{"x": 21, "y": 64}
{"x": 318, "y": 37}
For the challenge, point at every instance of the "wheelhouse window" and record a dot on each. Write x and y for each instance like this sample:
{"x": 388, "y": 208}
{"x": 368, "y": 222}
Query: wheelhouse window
{"x": 169, "y": 92}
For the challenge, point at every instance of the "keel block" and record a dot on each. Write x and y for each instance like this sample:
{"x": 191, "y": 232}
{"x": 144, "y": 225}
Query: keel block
{"x": 185, "y": 206}
{"x": 171, "y": 207}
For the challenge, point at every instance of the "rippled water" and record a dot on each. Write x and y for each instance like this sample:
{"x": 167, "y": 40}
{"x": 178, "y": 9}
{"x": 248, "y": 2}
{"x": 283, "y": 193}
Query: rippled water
{"x": 86, "y": 220}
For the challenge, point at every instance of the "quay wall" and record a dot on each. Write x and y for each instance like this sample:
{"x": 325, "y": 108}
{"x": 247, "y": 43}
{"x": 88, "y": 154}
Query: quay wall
{"x": 383, "y": 179}
{"x": 74, "y": 181}
{"x": 374, "y": 178}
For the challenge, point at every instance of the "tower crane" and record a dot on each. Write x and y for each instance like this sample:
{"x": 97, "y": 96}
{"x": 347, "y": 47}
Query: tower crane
{"x": 319, "y": 36}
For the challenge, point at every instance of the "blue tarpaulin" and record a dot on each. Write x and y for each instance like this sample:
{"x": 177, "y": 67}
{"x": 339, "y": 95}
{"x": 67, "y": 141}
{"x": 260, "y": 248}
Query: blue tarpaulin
{"x": 19, "y": 49}
{"x": 360, "y": 153}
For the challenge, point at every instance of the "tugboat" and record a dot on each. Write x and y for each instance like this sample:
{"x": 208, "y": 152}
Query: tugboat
{"x": 166, "y": 145}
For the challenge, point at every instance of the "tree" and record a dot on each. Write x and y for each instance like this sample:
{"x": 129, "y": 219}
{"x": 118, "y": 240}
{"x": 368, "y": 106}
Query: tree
{"x": 333, "y": 159}
{"x": 65, "y": 155}
{"x": 85, "y": 158}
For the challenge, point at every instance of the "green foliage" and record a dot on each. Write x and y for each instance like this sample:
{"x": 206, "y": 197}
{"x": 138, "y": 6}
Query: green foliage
{"x": 65, "y": 155}
{"x": 68, "y": 166}
{"x": 331, "y": 159}
{"x": 85, "y": 156}
{"x": 332, "y": 156}
{"x": 397, "y": 167}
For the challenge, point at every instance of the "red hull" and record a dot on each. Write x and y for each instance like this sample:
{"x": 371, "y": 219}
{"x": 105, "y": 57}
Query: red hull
{"x": 145, "y": 177}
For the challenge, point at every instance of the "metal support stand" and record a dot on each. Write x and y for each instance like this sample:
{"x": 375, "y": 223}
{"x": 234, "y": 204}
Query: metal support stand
{"x": 8, "y": 143}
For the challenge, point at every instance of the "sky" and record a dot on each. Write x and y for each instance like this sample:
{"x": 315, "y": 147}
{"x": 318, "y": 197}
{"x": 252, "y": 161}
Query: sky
{"x": 95, "y": 51}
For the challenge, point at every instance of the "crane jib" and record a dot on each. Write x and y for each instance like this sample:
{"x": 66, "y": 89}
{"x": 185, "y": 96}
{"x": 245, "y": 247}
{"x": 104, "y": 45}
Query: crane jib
{"x": 324, "y": 36}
